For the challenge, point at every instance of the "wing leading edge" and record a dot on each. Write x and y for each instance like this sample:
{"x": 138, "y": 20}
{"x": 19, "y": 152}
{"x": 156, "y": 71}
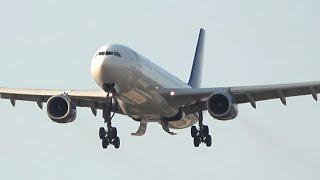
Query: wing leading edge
{"x": 82, "y": 98}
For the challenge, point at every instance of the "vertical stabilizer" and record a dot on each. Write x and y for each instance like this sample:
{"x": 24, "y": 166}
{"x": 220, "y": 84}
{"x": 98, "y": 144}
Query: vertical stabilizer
{"x": 196, "y": 72}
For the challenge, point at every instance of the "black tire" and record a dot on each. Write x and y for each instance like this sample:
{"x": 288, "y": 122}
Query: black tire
{"x": 105, "y": 143}
{"x": 208, "y": 141}
{"x": 205, "y": 131}
{"x": 196, "y": 141}
{"x": 102, "y": 133}
{"x": 117, "y": 142}
{"x": 114, "y": 132}
{"x": 194, "y": 131}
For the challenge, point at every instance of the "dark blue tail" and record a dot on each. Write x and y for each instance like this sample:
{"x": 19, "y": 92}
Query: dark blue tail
{"x": 196, "y": 72}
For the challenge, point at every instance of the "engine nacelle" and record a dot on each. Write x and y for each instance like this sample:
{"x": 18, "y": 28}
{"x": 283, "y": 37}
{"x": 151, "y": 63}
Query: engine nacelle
{"x": 222, "y": 106}
{"x": 61, "y": 109}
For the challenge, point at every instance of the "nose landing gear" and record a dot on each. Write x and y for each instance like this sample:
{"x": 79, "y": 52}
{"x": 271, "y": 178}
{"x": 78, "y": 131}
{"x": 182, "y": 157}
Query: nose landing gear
{"x": 201, "y": 135}
{"x": 109, "y": 135}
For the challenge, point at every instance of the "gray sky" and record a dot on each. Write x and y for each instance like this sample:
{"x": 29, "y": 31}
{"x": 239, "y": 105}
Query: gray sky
{"x": 49, "y": 44}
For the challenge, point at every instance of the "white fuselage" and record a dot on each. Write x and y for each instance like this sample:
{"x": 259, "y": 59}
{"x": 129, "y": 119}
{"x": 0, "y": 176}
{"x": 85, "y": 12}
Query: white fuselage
{"x": 138, "y": 82}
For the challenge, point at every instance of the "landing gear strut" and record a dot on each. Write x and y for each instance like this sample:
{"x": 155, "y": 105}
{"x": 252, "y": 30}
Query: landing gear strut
{"x": 109, "y": 135}
{"x": 201, "y": 135}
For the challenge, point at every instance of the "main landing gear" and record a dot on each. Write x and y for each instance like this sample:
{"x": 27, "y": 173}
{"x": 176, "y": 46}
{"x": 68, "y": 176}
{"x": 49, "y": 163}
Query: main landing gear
{"x": 201, "y": 135}
{"x": 109, "y": 135}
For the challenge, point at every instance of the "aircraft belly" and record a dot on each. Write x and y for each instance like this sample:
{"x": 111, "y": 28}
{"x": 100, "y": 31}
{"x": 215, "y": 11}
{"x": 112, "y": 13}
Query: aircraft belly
{"x": 185, "y": 122}
{"x": 143, "y": 106}
{"x": 152, "y": 107}
{"x": 151, "y": 111}
{"x": 143, "y": 101}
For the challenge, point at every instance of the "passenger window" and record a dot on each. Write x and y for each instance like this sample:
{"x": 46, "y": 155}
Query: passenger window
{"x": 109, "y": 53}
{"x": 117, "y": 54}
{"x": 101, "y": 53}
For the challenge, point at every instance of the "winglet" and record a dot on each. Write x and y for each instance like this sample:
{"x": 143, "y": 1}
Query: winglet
{"x": 196, "y": 72}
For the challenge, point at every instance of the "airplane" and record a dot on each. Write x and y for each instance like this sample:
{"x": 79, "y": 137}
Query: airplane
{"x": 132, "y": 85}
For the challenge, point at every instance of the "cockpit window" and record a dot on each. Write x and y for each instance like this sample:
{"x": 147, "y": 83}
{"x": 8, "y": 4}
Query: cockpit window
{"x": 117, "y": 54}
{"x": 109, "y": 53}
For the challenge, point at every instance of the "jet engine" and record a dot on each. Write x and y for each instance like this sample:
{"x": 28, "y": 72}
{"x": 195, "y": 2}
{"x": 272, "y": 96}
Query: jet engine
{"x": 61, "y": 109}
{"x": 222, "y": 106}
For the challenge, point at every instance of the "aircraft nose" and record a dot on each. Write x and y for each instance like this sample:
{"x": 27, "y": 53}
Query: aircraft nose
{"x": 103, "y": 70}
{"x": 98, "y": 66}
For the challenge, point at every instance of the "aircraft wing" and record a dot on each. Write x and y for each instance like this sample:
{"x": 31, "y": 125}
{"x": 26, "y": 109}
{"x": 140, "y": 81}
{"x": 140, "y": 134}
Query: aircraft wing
{"x": 91, "y": 99}
{"x": 191, "y": 100}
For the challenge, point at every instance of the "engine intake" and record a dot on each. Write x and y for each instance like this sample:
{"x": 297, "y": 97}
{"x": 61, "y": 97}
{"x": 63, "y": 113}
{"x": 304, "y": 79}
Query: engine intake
{"x": 222, "y": 106}
{"x": 61, "y": 109}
